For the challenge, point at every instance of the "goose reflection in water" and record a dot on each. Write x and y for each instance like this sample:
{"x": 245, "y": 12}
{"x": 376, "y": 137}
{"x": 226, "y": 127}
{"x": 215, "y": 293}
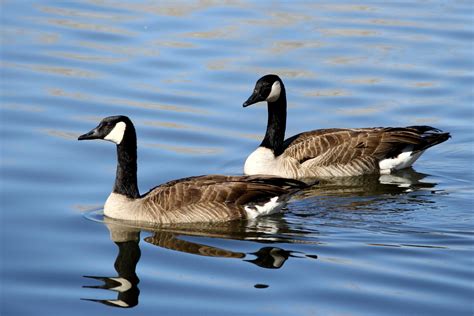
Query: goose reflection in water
{"x": 264, "y": 230}
{"x": 126, "y": 283}
{"x": 380, "y": 202}
{"x": 400, "y": 182}
{"x": 127, "y": 239}
{"x": 367, "y": 193}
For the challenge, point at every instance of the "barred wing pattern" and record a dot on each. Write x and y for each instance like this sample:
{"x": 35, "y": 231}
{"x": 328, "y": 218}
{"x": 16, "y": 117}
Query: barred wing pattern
{"x": 343, "y": 152}
{"x": 214, "y": 198}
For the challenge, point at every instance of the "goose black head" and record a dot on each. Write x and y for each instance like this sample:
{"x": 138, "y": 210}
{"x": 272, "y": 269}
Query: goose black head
{"x": 268, "y": 88}
{"x": 111, "y": 128}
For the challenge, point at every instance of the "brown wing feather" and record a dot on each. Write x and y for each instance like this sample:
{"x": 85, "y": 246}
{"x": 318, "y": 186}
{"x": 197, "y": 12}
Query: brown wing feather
{"x": 330, "y": 145}
{"x": 342, "y": 146}
{"x": 215, "y": 197}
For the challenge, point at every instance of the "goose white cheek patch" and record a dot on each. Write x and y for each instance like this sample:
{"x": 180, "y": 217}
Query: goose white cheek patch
{"x": 116, "y": 134}
{"x": 275, "y": 92}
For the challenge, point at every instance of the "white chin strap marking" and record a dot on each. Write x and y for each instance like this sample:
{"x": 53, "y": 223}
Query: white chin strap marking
{"x": 275, "y": 93}
{"x": 116, "y": 134}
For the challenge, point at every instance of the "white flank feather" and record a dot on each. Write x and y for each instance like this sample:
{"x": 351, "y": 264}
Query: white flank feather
{"x": 403, "y": 160}
{"x": 270, "y": 207}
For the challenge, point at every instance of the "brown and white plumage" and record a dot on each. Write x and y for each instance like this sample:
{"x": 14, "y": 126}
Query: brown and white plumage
{"x": 332, "y": 152}
{"x": 210, "y": 198}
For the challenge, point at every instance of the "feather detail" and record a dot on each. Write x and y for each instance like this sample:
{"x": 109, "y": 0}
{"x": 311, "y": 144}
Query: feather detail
{"x": 211, "y": 198}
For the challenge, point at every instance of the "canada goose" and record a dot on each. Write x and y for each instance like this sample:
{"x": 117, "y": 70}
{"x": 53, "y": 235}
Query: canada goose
{"x": 333, "y": 152}
{"x": 210, "y": 198}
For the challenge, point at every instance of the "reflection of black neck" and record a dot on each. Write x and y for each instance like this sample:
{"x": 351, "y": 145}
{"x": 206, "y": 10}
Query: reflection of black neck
{"x": 276, "y": 125}
{"x": 126, "y": 176}
{"x": 126, "y": 284}
{"x": 127, "y": 260}
{"x": 125, "y": 265}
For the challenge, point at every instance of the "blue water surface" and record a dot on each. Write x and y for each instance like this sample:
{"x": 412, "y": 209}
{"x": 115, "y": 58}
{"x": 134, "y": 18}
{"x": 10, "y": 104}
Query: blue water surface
{"x": 392, "y": 245}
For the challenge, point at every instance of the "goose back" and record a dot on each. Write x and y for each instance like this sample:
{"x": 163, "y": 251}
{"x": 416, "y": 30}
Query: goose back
{"x": 211, "y": 198}
{"x": 339, "y": 145}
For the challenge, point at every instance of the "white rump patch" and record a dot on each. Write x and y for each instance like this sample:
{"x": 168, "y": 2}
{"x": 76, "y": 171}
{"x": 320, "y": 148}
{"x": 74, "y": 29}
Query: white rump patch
{"x": 270, "y": 207}
{"x": 124, "y": 286}
{"x": 275, "y": 92}
{"x": 403, "y": 160}
{"x": 116, "y": 134}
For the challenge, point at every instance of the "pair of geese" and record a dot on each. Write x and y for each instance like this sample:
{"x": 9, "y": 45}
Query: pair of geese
{"x": 273, "y": 172}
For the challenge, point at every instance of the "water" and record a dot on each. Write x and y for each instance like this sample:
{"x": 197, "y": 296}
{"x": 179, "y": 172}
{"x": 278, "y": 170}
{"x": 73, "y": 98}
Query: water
{"x": 181, "y": 71}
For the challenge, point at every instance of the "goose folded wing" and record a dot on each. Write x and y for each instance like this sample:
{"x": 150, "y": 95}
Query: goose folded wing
{"x": 218, "y": 197}
{"x": 341, "y": 146}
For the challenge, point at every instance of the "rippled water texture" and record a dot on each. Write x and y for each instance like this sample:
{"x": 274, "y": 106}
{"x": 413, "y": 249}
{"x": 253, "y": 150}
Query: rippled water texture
{"x": 394, "y": 245}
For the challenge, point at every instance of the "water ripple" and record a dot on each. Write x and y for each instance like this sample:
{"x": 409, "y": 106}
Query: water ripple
{"x": 394, "y": 245}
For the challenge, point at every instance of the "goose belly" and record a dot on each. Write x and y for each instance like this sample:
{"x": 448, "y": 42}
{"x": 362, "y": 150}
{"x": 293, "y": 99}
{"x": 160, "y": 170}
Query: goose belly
{"x": 119, "y": 206}
{"x": 263, "y": 161}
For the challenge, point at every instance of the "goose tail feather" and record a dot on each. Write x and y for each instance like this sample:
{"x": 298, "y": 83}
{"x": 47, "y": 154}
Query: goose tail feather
{"x": 431, "y": 136}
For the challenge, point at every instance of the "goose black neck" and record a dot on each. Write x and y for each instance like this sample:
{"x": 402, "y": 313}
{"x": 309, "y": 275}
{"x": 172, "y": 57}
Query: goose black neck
{"x": 126, "y": 176}
{"x": 275, "y": 134}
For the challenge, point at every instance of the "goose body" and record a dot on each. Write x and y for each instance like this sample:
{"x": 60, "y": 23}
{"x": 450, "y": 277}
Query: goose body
{"x": 210, "y": 198}
{"x": 335, "y": 152}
